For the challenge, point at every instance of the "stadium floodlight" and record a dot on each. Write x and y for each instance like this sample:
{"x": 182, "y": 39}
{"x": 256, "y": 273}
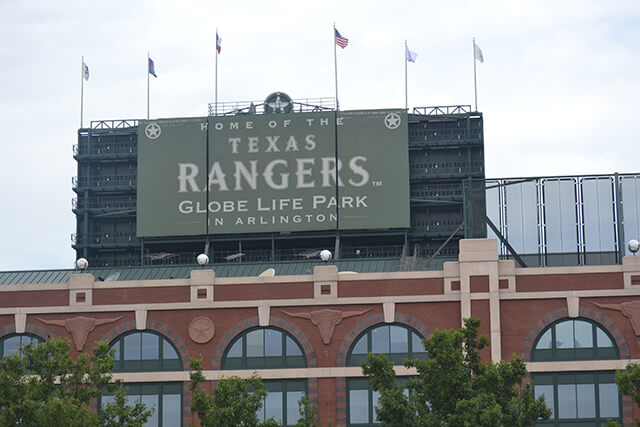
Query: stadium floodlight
{"x": 325, "y": 255}
{"x": 634, "y": 245}
{"x": 203, "y": 259}
{"x": 82, "y": 264}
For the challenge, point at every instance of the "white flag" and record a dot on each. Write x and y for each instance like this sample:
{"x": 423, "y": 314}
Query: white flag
{"x": 411, "y": 56}
{"x": 477, "y": 52}
{"x": 85, "y": 71}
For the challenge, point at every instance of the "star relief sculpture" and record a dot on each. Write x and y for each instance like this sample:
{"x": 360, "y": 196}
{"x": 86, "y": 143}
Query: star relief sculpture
{"x": 152, "y": 131}
{"x": 392, "y": 121}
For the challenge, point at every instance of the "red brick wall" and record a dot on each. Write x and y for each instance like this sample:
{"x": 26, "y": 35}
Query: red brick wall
{"x": 377, "y": 288}
{"x": 141, "y": 295}
{"x": 569, "y": 282}
{"x": 263, "y": 291}
{"x": 34, "y": 298}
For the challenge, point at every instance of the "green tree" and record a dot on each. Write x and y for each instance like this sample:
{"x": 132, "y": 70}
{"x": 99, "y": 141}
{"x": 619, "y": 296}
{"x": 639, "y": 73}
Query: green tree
{"x": 42, "y": 386}
{"x": 454, "y": 387}
{"x": 308, "y": 413}
{"x": 235, "y": 401}
{"x": 629, "y": 384}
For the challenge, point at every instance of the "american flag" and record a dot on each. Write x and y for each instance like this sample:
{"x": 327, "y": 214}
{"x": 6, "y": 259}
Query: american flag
{"x": 218, "y": 42}
{"x": 341, "y": 41}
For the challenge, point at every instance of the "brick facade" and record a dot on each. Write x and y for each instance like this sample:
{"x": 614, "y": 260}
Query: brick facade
{"x": 515, "y": 305}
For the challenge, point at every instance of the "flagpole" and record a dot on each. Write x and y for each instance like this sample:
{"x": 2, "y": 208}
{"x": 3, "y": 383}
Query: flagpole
{"x": 335, "y": 63}
{"x": 335, "y": 142}
{"x": 215, "y": 99}
{"x": 475, "y": 83}
{"x": 406, "y": 85}
{"x": 148, "y": 72}
{"x": 82, "y": 93}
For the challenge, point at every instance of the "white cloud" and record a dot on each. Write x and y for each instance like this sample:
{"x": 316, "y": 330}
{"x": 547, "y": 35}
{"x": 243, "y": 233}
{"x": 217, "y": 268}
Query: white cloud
{"x": 559, "y": 86}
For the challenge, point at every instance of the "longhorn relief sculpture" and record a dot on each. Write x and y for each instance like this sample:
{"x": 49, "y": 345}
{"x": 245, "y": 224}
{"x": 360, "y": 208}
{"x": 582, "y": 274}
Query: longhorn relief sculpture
{"x": 326, "y": 320}
{"x": 79, "y": 327}
{"x": 630, "y": 309}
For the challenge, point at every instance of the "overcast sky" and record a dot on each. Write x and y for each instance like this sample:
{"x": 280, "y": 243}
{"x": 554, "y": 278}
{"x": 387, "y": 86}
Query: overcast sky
{"x": 559, "y": 88}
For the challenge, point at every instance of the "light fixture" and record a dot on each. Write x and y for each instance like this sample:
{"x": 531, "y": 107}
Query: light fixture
{"x": 634, "y": 245}
{"x": 203, "y": 259}
{"x": 325, "y": 255}
{"x": 82, "y": 264}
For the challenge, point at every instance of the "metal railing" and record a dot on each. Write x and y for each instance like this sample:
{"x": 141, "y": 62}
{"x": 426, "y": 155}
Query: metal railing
{"x": 450, "y": 136}
{"x": 104, "y": 181}
{"x": 104, "y": 238}
{"x": 114, "y": 124}
{"x": 568, "y": 220}
{"x": 257, "y": 107}
{"x": 103, "y": 203}
{"x": 440, "y": 169}
{"x": 443, "y": 110}
{"x": 102, "y": 149}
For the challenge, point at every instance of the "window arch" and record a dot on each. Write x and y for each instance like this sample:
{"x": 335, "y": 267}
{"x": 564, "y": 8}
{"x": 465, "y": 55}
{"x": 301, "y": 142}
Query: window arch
{"x": 145, "y": 351}
{"x": 396, "y": 341}
{"x": 264, "y": 348}
{"x": 576, "y": 397}
{"x": 574, "y": 339}
{"x": 12, "y": 343}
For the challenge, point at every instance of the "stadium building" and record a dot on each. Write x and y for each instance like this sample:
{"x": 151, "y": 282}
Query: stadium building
{"x": 445, "y": 159}
{"x": 420, "y": 238}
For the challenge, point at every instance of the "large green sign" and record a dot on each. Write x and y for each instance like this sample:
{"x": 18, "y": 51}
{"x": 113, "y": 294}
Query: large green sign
{"x": 273, "y": 173}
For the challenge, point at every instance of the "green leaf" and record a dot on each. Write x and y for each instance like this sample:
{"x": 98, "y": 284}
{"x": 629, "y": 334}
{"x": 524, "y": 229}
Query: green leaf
{"x": 454, "y": 387}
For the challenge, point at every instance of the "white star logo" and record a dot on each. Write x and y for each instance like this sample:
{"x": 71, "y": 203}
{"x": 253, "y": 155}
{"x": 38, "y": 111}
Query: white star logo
{"x": 392, "y": 121}
{"x": 278, "y": 105}
{"x": 152, "y": 131}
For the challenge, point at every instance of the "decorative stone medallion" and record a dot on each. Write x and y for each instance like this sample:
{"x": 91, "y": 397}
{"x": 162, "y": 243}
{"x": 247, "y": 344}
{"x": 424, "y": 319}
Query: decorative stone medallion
{"x": 201, "y": 330}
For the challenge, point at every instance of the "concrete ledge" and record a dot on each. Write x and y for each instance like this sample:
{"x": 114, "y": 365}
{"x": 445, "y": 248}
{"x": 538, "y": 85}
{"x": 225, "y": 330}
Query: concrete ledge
{"x": 81, "y": 281}
{"x": 472, "y": 250}
{"x": 507, "y": 267}
{"x": 202, "y": 277}
{"x": 325, "y": 273}
{"x": 451, "y": 269}
{"x": 631, "y": 264}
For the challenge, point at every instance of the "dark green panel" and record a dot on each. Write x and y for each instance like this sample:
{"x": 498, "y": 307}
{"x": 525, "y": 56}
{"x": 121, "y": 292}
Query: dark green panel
{"x": 273, "y": 173}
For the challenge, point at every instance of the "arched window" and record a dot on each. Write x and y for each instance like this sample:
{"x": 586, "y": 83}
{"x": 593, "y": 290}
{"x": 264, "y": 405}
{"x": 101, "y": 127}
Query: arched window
{"x": 574, "y": 339}
{"x": 584, "y": 397}
{"x": 12, "y": 343}
{"x": 264, "y": 348}
{"x": 397, "y": 342}
{"x": 145, "y": 351}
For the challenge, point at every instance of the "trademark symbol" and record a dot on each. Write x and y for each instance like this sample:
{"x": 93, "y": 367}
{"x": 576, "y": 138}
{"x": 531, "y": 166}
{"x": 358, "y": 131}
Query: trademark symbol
{"x": 377, "y": 183}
